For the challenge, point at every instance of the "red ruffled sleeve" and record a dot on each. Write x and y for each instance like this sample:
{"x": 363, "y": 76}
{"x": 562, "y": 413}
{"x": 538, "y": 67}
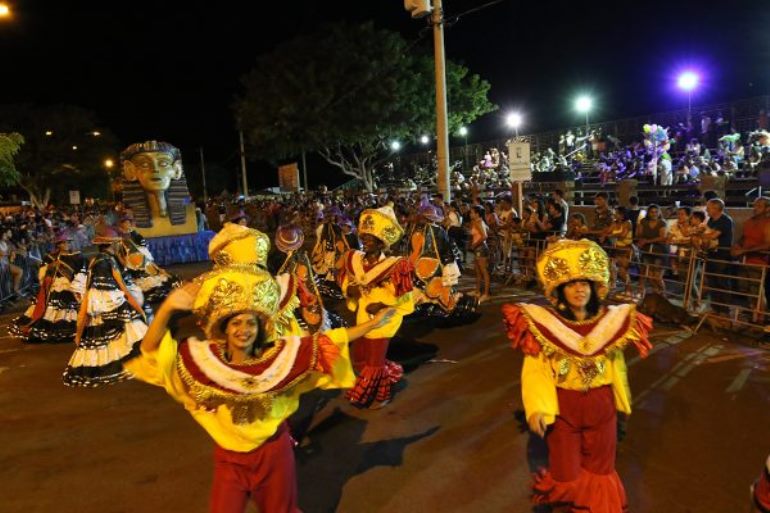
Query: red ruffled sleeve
{"x": 517, "y": 329}
{"x": 640, "y": 338}
{"x": 328, "y": 353}
{"x": 401, "y": 276}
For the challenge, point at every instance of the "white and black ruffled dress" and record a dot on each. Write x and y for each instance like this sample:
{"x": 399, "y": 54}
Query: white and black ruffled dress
{"x": 53, "y": 315}
{"x": 112, "y": 328}
{"x": 155, "y": 282}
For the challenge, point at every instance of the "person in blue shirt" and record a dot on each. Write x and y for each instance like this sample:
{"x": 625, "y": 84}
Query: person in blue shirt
{"x": 718, "y": 266}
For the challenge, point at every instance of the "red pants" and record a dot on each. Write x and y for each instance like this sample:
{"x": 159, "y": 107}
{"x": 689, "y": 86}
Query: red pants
{"x": 376, "y": 374}
{"x": 266, "y": 474}
{"x": 581, "y": 454}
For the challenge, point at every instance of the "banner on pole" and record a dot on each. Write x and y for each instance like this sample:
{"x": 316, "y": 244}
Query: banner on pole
{"x": 288, "y": 177}
{"x": 519, "y": 161}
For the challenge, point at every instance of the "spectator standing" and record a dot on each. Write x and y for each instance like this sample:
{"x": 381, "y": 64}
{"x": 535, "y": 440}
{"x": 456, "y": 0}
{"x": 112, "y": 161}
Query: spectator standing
{"x": 720, "y": 228}
{"x": 480, "y": 251}
{"x": 633, "y": 212}
{"x": 651, "y": 239}
{"x": 7, "y": 256}
{"x": 602, "y": 214}
{"x": 558, "y": 196}
{"x": 752, "y": 248}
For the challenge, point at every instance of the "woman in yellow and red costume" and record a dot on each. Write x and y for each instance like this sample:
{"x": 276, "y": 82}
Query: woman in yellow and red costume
{"x": 574, "y": 378}
{"x": 371, "y": 281}
{"x": 244, "y": 381}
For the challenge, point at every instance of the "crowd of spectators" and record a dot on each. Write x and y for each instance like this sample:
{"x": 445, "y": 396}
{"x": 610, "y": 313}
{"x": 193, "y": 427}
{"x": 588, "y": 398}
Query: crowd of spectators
{"x": 662, "y": 156}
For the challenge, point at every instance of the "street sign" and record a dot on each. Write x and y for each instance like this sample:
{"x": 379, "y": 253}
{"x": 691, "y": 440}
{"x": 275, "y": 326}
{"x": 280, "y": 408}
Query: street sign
{"x": 288, "y": 177}
{"x": 519, "y": 161}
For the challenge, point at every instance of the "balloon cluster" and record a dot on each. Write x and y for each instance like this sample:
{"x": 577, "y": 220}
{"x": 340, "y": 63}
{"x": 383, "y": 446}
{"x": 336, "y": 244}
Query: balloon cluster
{"x": 656, "y": 138}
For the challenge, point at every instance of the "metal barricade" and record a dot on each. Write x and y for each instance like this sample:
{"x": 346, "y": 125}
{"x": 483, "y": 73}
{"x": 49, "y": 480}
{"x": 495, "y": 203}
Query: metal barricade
{"x": 6, "y": 284}
{"x": 666, "y": 274}
{"x": 509, "y": 255}
{"x": 735, "y": 291}
{"x": 513, "y": 255}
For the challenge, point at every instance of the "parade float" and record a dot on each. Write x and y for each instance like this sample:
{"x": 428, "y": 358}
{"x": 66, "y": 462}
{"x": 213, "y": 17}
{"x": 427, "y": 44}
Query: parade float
{"x": 155, "y": 189}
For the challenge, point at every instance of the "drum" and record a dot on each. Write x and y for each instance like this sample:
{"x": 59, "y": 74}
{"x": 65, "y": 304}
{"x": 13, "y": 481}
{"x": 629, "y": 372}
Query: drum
{"x": 426, "y": 268}
{"x": 439, "y": 292}
{"x": 135, "y": 261}
{"x": 133, "y": 258}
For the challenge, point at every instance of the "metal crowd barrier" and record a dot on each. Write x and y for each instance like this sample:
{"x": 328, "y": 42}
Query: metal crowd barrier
{"x": 735, "y": 290}
{"x": 511, "y": 256}
{"x": 710, "y": 284}
{"x": 29, "y": 262}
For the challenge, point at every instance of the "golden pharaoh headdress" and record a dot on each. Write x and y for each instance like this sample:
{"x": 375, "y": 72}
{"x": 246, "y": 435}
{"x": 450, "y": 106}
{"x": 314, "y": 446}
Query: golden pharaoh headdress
{"x": 238, "y": 244}
{"x": 228, "y": 291}
{"x": 381, "y": 223}
{"x": 569, "y": 260}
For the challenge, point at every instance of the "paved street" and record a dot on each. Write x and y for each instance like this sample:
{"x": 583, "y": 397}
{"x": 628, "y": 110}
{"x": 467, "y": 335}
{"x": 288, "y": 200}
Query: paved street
{"x": 449, "y": 442}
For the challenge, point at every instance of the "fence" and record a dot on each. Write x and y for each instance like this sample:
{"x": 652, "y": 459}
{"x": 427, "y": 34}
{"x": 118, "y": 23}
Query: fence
{"x": 29, "y": 262}
{"x": 711, "y": 284}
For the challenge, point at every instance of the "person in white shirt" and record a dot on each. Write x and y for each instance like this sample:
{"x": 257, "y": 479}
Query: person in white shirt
{"x": 666, "y": 170}
{"x": 507, "y": 212}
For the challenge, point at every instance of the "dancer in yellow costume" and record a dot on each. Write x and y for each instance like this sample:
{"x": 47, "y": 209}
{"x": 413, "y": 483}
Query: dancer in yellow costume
{"x": 371, "y": 281}
{"x": 574, "y": 378}
{"x": 244, "y": 380}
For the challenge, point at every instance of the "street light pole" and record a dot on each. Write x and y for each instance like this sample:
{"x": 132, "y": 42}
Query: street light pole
{"x": 465, "y": 153}
{"x": 442, "y": 134}
{"x": 243, "y": 166}
{"x": 304, "y": 170}
{"x": 203, "y": 176}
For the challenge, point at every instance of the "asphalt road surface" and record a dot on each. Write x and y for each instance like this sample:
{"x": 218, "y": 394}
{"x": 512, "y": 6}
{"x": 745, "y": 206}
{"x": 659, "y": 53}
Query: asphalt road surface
{"x": 451, "y": 441}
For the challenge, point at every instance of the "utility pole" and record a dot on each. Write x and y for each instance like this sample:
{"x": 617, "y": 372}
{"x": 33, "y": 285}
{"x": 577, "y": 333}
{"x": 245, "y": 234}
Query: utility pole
{"x": 420, "y": 9}
{"x": 442, "y": 132}
{"x": 243, "y": 166}
{"x": 203, "y": 176}
{"x": 304, "y": 170}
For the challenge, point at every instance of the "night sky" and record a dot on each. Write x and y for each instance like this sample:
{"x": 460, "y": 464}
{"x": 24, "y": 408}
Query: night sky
{"x": 169, "y": 70}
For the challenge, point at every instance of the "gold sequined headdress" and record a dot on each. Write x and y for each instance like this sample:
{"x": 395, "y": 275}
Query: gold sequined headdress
{"x": 228, "y": 291}
{"x": 381, "y": 223}
{"x": 569, "y": 260}
{"x": 236, "y": 244}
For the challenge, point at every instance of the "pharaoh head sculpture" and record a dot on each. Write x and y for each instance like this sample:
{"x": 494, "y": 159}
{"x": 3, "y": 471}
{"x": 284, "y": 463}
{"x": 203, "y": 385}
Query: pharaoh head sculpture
{"x": 154, "y": 184}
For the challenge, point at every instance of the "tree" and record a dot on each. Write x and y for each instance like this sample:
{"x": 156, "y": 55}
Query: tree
{"x": 65, "y": 149}
{"x": 9, "y": 146}
{"x": 345, "y": 92}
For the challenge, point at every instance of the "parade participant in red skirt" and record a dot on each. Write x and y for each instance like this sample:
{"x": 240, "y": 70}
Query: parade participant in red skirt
{"x": 371, "y": 281}
{"x": 242, "y": 382}
{"x": 760, "y": 491}
{"x": 574, "y": 378}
